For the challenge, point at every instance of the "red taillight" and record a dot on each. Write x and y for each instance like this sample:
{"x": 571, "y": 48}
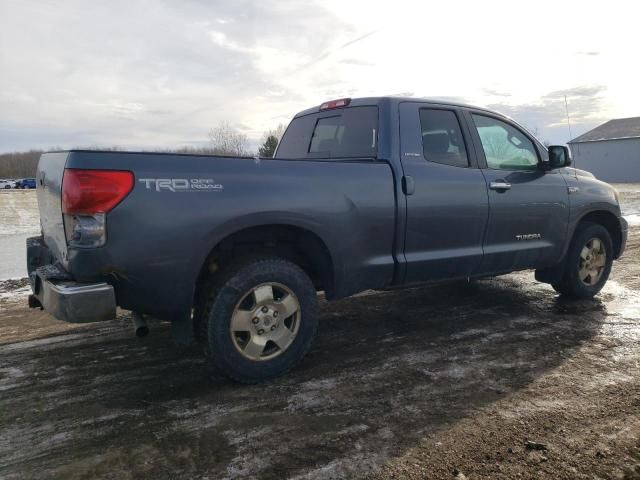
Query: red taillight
{"x": 342, "y": 102}
{"x": 87, "y": 192}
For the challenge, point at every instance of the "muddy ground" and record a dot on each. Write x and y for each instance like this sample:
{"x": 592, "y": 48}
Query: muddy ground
{"x": 435, "y": 382}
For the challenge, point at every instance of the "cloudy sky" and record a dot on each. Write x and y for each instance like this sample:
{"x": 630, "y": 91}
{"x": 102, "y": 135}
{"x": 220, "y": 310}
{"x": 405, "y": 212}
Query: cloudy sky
{"x": 145, "y": 74}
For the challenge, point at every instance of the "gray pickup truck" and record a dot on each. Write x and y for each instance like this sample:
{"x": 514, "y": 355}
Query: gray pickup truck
{"x": 367, "y": 193}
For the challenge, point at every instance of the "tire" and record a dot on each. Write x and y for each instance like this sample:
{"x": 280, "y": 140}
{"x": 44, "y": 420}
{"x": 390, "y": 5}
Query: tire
{"x": 241, "y": 292}
{"x": 572, "y": 283}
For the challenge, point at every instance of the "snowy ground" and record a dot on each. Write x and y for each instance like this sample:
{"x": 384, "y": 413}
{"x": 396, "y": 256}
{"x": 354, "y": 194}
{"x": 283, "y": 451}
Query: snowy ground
{"x": 19, "y": 219}
{"x": 630, "y": 199}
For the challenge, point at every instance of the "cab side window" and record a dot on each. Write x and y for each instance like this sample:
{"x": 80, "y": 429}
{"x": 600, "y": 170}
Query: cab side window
{"x": 442, "y": 140}
{"x": 505, "y": 147}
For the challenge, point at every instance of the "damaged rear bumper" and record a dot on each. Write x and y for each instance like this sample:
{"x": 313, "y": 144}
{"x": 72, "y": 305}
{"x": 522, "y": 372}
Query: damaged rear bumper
{"x": 56, "y": 292}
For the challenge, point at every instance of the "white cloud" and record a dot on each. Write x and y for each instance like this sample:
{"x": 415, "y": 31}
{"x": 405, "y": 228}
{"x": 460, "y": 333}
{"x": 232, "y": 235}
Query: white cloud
{"x": 143, "y": 73}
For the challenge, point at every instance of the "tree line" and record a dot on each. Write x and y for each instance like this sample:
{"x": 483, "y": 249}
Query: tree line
{"x": 223, "y": 140}
{"x": 19, "y": 164}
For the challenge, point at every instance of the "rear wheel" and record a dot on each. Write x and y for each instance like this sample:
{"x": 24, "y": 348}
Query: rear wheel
{"x": 588, "y": 262}
{"x": 258, "y": 319}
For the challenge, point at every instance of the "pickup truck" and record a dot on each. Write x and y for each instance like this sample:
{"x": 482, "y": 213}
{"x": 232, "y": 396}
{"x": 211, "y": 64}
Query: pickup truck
{"x": 369, "y": 193}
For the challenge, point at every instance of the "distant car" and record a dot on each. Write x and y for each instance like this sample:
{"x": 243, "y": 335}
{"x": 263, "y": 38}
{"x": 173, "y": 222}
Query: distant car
{"x": 26, "y": 183}
{"x": 7, "y": 184}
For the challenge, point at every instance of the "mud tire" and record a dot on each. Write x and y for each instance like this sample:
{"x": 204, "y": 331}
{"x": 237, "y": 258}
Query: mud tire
{"x": 570, "y": 284}
{"x": 218, "y": 299}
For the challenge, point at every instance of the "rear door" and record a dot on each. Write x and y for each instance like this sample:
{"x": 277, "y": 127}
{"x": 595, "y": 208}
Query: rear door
{"x": 528, "y": 206}
{"x": 445, "y": 193}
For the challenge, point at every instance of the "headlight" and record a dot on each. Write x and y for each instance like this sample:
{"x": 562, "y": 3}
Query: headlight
{"x": 617, "y": 195}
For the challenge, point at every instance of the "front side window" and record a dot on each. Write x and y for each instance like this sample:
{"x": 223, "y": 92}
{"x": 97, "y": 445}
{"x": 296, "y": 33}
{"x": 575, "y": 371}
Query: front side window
{"x": 505, "y": 147}
{"x": 343, "y": 133}
{"x": 442, "y": 140}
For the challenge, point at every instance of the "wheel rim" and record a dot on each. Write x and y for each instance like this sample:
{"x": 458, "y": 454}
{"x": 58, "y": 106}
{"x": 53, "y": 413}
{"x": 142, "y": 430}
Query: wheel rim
{"x": 265, "y": 321}
{"x": 593, "y": 258}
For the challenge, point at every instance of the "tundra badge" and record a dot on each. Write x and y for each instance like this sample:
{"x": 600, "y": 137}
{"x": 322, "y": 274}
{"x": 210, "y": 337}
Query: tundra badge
{"x": 528, "y": 236}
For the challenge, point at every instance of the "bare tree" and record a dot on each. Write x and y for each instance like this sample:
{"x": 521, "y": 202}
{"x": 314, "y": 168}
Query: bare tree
{"x": 277, "y": 132}
{"x": 226, "y": 140}
{"x": 19, "y": 164}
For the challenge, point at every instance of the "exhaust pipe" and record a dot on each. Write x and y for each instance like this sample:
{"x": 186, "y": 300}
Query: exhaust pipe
{"x": 139, "y": 325}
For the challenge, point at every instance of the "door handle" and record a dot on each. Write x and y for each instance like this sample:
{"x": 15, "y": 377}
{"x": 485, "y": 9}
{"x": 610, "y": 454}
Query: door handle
{"x": 499, "y": 185}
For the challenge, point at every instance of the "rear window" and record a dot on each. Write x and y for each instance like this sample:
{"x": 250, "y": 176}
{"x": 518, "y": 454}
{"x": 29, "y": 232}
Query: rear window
{"x": 342, "y": 133}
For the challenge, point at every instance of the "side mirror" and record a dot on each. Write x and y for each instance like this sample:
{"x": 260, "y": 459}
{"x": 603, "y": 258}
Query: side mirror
{"x": 559, "y": 156}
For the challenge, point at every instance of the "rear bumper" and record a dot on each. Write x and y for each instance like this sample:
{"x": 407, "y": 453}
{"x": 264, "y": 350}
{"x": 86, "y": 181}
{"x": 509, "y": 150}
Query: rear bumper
{"x": 62, "y": 297}
{"x": 77, "y": 302}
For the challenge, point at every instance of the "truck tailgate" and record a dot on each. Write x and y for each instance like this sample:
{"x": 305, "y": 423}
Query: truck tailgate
{"x": 49, "y": 191}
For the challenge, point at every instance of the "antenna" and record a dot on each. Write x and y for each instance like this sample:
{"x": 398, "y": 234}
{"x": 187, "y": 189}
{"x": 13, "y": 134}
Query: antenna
{"x": 566, "y": 107}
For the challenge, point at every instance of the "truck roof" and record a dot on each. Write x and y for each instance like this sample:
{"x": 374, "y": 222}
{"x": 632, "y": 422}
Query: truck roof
{"x": 392, "y": 99}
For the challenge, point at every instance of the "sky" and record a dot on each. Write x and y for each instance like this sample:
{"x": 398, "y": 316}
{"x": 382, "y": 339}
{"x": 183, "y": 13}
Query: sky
{"x": 144, "y": 74}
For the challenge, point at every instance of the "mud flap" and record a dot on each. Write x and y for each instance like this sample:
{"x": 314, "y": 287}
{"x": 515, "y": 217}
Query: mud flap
{"x": 551, "y": 275}
{"x": 183, "y": 333}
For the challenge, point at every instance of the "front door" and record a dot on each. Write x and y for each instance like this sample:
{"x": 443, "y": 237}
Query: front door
{"x": 528, "y": 206}
{"x": 445, "y": 194}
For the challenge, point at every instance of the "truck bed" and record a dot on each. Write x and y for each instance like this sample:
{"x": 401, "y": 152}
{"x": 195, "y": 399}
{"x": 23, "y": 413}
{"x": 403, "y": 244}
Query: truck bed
{"x": 182, "y": 206}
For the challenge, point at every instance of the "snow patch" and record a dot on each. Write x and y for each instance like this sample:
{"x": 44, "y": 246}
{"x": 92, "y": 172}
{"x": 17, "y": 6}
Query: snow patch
{"x": 633, "y": 219}
{"x": 313, "y": 395}
{"x": 18, "y": 293}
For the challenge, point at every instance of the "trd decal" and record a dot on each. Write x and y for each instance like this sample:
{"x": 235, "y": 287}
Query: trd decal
{"x": 182, "y": 184}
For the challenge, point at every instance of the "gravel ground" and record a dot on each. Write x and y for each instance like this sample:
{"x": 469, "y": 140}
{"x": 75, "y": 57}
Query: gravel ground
{"x": 497, "y": 379}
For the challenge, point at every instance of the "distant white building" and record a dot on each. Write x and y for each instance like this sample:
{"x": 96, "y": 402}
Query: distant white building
{"x": 611, "y": 151}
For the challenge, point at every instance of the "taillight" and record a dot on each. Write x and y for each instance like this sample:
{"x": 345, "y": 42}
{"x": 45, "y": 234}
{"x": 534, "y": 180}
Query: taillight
{"x": 85, "y": 192}
{"x": 87, "y": 195}
{"x": 342, "y": 102}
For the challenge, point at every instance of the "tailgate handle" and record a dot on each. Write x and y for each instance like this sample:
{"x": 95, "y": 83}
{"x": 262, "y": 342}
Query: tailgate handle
{"x": 408, "y": 185}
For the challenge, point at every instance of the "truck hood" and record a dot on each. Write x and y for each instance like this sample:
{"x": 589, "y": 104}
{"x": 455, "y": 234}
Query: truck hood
{"x": 577, "y": 172}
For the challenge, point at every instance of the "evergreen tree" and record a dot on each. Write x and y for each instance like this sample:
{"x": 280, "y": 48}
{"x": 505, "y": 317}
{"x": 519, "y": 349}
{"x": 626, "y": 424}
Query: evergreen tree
{"x": 268, "y": 148}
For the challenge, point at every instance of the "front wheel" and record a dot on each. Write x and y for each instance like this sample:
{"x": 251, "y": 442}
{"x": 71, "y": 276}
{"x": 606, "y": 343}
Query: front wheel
{"x": 588, "y": 262}
{"x": 258, "y": 319}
